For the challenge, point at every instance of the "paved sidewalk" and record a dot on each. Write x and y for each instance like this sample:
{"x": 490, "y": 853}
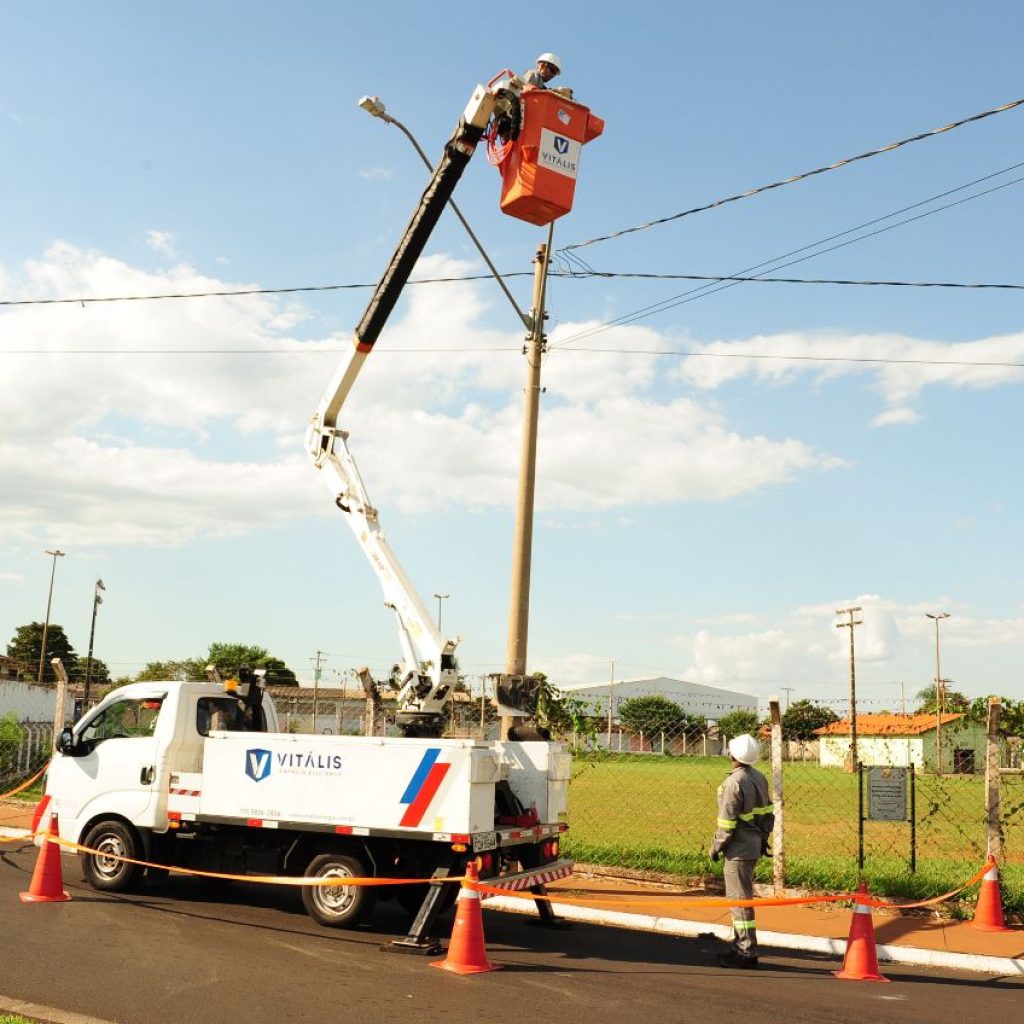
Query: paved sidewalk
{"x": 821, "y": 928}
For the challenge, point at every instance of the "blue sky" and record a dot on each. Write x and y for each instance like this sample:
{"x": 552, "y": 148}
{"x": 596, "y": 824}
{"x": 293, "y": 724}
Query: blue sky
{"x": 699, "y": 516}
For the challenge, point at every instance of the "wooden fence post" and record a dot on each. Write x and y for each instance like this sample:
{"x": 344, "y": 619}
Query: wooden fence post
{"x": 779, "y": 834}
{"x": 994, "y": 845}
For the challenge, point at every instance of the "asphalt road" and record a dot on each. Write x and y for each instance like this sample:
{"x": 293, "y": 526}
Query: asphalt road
{"x": 193, "y": 953}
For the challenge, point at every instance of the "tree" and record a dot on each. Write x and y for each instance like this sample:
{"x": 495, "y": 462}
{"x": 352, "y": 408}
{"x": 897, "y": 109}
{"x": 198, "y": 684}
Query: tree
{"x": 229, "y": 658}
{"x": 189, "y": 669}
{"x": 803, "y": 717}
{"x": 24, "y": 648}
{"x": 657, "y": 714}
{"x": 99, "y": 674}
{"x": 11, "y": 735}
{"x": 278, "y": 673}
{"x": 1011, "y": 715}
{"x": 738, "y": 722}
{"x": 561, "y": 713}
{"x": 953, "y": 701}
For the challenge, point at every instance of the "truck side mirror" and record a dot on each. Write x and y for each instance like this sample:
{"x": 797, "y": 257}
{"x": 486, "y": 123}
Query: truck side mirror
{"x": 66, "y": 741}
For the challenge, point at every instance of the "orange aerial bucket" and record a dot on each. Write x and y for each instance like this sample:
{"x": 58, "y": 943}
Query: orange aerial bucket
{"x": 539, "y": 169}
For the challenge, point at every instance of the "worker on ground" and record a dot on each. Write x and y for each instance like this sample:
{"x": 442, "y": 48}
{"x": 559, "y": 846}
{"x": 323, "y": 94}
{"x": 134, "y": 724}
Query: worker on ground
{"x": 745, "y": 821}
{"x": 549, "y": 66}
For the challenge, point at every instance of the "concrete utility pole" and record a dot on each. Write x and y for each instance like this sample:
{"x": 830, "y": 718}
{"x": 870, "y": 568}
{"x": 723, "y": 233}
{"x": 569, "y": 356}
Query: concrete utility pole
{"x": 939, "y": 695}
{"x": 49, "y": 599}
{"x": 850, "y": 624}
{"x": 317, "y": 663}
{"x": 611, "y": 703}
{"x": 522, "y": 545}
{"x": 787, "y": 690}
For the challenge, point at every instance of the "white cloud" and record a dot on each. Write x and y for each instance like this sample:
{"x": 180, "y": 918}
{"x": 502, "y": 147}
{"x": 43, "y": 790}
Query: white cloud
{"x": 917, "y": 363}
{"x": 161, "y": 243}
{"x": 894, "y": 416}
{"x": 135, "y": 441}
{"x": 376, "y": 174}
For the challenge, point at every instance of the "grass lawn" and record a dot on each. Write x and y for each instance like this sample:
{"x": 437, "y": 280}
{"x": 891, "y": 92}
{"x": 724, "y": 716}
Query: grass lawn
{"x": 657, "y": 813}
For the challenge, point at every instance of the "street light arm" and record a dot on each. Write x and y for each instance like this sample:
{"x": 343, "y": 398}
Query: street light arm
{"x": 379, "y": 112}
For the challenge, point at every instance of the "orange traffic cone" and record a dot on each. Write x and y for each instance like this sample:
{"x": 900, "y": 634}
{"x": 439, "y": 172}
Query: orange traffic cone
{"x": 466, "y": 951}
{"x": 860, "y": 962}
{"x": 37, "y": 817}
{"x": 988, "y": 917}
{"x": 47, "y": 885}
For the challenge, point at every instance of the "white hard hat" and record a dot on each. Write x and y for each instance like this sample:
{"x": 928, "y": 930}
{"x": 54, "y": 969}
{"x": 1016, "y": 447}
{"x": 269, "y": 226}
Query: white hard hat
{"x": 744, "y": 749}
{"x": 551, "y": 58}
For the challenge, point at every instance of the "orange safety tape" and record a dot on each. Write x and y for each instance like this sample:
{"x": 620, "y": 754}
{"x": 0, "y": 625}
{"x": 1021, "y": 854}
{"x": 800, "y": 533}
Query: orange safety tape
{"x": 25, "y": 785}
{"x": 259, "y": 879}
{"x": 720, "y": 901}
{"x": 673, "y": 901}
{"x": 874, "y": 901}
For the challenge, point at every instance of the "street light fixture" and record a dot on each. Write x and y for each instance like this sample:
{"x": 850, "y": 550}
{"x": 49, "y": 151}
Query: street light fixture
{"x": 374, "y": 106}
{"x": 939, "y": 695}
{"x": 96, "y": 602}
{"x": 440, "y": 598}
{"x": 55, "y": 554}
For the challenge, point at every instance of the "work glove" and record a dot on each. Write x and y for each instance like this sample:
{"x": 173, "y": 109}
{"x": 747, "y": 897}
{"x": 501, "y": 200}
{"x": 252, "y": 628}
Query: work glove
{"x": 714, "y": 854}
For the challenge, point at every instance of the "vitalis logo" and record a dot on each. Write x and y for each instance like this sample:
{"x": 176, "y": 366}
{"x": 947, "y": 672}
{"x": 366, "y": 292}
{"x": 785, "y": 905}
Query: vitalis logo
{"x": 259, "y": 763}
{"x": 558, "y": 153}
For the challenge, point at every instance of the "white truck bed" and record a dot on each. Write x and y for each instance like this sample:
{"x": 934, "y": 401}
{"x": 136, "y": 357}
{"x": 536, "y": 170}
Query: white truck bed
{"x": 370, "y": 784}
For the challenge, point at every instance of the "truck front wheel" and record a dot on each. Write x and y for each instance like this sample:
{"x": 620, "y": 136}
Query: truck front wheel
{"x": 104, "y": 870}
{"x": 338, "y": 906}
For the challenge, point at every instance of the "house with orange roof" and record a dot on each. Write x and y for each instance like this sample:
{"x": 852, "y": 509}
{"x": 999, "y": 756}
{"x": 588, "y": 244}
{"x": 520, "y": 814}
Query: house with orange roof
{"x": 905, "y": 740}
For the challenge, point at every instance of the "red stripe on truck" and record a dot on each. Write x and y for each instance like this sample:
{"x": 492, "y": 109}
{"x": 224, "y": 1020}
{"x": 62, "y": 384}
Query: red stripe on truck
{"x": 415, "y": 811}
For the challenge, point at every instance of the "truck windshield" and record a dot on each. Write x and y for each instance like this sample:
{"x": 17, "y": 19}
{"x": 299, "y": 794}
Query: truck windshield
{"x": 124, "y": 719}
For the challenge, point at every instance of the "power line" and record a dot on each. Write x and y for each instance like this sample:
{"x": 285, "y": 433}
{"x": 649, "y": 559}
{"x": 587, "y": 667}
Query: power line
{"x": 795, "y": 178}
{"x": 795, "y": 280}
{"x": 233, "y": 292}
{"x": 698, "y": 293}
{"x": 586, "y": 271}
{"x": 689, "y": 353}
{"x": 566, "y": 275}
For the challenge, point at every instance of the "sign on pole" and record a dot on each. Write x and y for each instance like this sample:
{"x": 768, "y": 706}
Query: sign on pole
{"x": 887, "y": 793}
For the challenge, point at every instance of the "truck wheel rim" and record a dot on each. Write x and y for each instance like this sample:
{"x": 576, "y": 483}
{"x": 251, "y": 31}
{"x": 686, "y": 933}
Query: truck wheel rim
{"x": 335, "y": 899}
{"x": 110, "y": 848}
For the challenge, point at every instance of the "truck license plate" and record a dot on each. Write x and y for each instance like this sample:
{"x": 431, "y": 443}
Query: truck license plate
{"x": 484, "y": 841}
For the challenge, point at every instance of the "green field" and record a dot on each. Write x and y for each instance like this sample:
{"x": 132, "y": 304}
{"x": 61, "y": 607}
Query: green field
{"x": 657, "y": 813}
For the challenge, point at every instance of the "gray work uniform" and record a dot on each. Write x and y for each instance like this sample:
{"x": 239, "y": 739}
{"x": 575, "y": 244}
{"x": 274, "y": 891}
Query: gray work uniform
{"x": 746, "y": 818}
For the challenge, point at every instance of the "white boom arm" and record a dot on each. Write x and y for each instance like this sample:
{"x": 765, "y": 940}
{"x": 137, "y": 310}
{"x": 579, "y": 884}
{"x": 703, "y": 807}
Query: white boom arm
{"x": 428, "y": 671}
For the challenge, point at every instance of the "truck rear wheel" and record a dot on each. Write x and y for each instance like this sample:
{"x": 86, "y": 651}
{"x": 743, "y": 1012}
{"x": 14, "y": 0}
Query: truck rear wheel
{"x": 105, "y": 870}
{"x": 338, "y": 906}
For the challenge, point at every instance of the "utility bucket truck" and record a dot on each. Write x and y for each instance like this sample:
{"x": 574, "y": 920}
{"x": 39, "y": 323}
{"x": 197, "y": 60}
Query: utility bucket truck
{"x": 199, "y": 775}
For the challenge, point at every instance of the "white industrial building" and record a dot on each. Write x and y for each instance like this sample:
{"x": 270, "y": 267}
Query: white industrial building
{"x": 711, "y": 702}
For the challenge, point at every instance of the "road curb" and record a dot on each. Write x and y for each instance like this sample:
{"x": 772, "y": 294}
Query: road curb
{"x": 49, "y": 1014}
{"x": 911, "y": 955}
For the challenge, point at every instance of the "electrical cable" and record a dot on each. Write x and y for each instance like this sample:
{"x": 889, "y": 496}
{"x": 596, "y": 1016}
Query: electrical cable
{"x": 704, "y": 290}
{"x": 796, "y": 177}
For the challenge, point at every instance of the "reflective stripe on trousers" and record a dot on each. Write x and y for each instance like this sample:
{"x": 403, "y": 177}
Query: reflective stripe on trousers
{"x": 739, "y": 885}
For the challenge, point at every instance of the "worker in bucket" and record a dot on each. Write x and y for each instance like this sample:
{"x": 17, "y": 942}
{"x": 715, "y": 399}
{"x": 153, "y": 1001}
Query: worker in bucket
{"x": 745, "y": 821}
{"x": 548, "y": 66}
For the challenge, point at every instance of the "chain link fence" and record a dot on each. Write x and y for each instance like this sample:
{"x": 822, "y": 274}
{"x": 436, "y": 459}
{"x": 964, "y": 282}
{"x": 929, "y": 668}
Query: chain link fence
{"x": 647, "y": 800}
